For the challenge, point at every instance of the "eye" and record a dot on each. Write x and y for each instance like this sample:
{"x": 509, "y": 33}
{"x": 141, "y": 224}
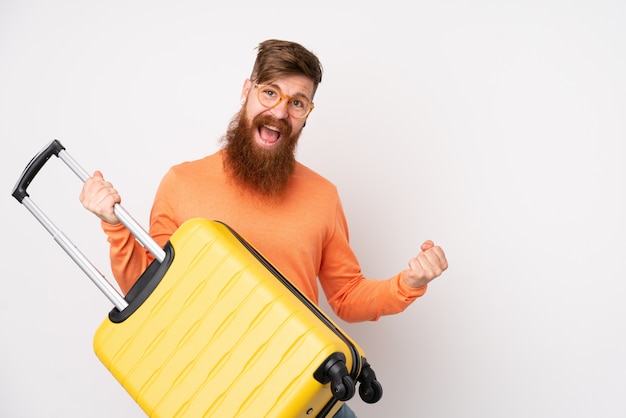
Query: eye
{"x": 300, "y": 104}
{"x": 270, "y": 92}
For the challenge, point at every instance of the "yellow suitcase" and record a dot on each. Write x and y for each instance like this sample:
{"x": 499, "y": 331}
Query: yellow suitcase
{"x": 212, "y": 329}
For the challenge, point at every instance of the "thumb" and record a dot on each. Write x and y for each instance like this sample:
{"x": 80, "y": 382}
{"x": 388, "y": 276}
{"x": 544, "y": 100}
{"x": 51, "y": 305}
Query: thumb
{"x": 427, "y": 245}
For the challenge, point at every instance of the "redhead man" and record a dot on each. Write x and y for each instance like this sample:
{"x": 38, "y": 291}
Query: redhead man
{"x": 254, "y": 183}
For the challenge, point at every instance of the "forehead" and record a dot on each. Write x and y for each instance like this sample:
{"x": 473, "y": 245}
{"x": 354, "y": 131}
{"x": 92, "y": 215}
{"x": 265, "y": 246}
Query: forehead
{"x": 294, "y": 85}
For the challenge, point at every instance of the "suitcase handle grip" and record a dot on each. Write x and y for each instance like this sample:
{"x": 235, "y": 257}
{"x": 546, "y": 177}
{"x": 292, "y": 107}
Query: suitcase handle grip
{"x": 33, "y": 167}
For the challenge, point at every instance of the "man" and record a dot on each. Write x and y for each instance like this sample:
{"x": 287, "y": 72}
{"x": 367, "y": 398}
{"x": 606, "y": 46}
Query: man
{"x": 292, "y": 215}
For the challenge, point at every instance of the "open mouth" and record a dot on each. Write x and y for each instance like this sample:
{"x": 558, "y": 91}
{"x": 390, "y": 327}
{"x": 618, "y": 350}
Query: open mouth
{"x": 269, "y": 135}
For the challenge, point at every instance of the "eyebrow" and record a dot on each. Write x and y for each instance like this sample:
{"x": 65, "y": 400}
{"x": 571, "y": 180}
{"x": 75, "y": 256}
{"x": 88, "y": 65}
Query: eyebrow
{"x": 298, "y": 94}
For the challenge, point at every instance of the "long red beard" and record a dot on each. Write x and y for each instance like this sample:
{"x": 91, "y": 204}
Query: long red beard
{"x": 264, "y": 171}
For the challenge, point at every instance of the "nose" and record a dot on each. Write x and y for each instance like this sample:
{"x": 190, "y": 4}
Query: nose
{"x": 280, "y": 110}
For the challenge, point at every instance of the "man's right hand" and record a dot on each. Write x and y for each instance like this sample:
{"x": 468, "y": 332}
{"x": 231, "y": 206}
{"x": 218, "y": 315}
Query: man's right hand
{"x": 99, "y": 196}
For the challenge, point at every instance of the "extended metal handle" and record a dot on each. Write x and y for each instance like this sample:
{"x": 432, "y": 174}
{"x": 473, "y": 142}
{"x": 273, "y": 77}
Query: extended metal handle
{"x": 21, "y": 194}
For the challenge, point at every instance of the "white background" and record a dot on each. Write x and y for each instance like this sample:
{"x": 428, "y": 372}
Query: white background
{"x": 497, "y": 129}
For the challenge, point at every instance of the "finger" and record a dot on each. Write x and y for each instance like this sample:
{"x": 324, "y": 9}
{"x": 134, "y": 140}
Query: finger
{"x": 91, "y": 188}
{"x": 428, "y": 244}
{"x": 442, "y": 261}
{"x": 420, "y": 272}
{"x": 436, "y": 259}
{"x": 106, "y": 196}
{"x": 429, "y": 263}
{"x": 416, "y": 266}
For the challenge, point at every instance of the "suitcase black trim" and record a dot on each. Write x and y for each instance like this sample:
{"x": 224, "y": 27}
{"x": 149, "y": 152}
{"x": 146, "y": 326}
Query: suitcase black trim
{"x": 144, "y": 286}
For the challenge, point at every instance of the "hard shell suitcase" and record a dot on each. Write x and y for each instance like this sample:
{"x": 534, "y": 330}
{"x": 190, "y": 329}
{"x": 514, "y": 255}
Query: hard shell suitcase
{"x": 212, "y": 329}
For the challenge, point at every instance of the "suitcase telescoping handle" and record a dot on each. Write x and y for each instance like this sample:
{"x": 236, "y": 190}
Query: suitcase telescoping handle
{"x": 20, "y": 193}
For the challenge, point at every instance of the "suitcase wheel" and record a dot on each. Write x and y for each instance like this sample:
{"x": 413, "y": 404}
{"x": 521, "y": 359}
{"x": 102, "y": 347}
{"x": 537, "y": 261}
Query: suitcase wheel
{"x": 334, "y": 370}
{"x": 370, "y": 389}
{"x": 343, "y": 390}
{"x": 371, "y": 393}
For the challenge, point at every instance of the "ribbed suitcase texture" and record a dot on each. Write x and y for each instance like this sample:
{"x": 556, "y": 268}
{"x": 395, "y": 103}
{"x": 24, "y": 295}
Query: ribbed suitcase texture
{"x": 221, "y": 336}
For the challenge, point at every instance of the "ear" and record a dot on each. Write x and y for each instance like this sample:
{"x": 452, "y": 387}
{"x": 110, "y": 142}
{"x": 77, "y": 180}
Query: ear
{"x": 247, "y": 85}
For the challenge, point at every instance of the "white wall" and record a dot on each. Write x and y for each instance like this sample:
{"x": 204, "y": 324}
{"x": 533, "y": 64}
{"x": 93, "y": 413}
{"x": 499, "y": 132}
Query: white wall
{"x": 495, "y": 128}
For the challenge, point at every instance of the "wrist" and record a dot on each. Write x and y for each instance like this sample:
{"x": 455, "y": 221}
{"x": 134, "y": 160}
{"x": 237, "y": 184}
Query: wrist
{"x": 411, "y": 281}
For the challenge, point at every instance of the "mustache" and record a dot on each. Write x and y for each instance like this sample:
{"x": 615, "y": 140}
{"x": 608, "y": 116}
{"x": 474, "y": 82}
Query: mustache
{"x": 267, "y": 120}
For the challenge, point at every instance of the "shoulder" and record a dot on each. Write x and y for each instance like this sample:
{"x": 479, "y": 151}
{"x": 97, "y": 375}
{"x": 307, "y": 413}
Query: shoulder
{"x": 200, "y": 165}
{"x": 313, "y": 182}
{"x": 193, "y": 173}
{"x": 310, "y": 174}
{"x": 195, "y": 170}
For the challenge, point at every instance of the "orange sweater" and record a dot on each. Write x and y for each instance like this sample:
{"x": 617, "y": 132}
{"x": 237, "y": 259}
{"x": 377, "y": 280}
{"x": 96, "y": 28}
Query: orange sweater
{"x": 305, "y": 236}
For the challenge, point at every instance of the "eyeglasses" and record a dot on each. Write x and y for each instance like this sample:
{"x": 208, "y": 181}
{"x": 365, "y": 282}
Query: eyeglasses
{"x": 297, "y": 107}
